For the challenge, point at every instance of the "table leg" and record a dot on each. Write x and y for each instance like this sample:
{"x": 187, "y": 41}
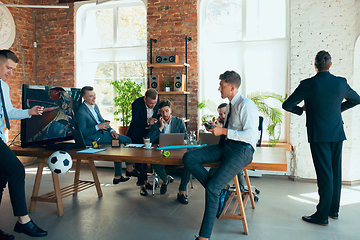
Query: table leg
{"x": 36, "y": 188}
{"x": 249, "y": 188}
{"x": 57, "y": 191}
{"x": 96, "y": 178}
{"x": 77, "y": 170}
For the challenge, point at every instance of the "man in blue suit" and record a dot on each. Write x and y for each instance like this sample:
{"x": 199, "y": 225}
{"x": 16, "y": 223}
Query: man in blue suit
{"x": 144, "y": 112}
{"x": 169, "y": 124}
{"x": 93, "y": 126}
{"x": 323, "y": 95}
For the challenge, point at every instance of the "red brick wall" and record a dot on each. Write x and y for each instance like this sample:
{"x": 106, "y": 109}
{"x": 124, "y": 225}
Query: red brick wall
{"x": 52, "y": 62}
{"x": 169, "y": 22}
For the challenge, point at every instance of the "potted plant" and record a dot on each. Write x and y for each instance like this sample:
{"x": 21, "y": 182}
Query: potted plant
{"x": 126, "y": 92}
{"x": 273, "y": 115}
{"x": 167, "y": 86}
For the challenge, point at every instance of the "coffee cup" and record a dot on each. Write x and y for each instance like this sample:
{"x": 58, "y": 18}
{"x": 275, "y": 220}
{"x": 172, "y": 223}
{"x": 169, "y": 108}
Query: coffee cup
{"x": 147, "y": 143}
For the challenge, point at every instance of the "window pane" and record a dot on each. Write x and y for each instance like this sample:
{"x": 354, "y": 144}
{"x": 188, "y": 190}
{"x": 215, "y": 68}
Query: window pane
{"x": 98, "y": 31}
{"x": 223, "y": 21}
{"x": 104, "y": 92}
{"x": 137, "y": 71}
{"x": 131, "y": 26}
{"x": 265, "y": 19}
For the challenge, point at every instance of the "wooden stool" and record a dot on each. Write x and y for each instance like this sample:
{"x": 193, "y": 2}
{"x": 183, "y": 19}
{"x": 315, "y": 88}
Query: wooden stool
{"x": 239, "y": 202}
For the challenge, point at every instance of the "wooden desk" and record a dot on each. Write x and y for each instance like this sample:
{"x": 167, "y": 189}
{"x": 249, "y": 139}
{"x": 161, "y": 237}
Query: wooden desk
{"x": 272, "y": 159}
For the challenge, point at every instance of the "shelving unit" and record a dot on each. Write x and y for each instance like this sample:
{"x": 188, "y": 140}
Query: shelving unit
{"x": 172, "y": 65}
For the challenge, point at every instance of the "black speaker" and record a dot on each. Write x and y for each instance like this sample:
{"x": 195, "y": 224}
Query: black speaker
{"x": 167, "y": 59}
{"x": 154, "y": 81}
{"x": 179, "y": 82}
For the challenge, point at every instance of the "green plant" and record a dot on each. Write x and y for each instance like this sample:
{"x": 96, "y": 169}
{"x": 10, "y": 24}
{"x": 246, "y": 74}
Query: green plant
{"x": 212, "y": 107}
{"x": 274, "y": 116}
{"x": 127, "y": 91}
{"x": 166, "y": 84}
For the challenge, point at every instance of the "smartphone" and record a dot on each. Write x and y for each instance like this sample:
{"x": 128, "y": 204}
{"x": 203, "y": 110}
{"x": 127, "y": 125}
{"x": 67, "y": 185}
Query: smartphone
{"x": 208, "y": 125}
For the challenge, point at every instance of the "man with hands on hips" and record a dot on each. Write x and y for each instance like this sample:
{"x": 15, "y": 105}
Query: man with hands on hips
{"x": 12, "y": 171}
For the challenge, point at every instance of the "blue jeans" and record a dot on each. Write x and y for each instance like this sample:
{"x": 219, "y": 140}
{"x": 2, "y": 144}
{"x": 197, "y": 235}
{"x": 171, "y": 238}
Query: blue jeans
{"x": 234, "y": 156}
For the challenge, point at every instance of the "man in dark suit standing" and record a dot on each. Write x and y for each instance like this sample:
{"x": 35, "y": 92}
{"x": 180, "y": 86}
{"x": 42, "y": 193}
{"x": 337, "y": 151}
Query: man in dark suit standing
{"x": 323, "y": 95}
{"x": 169, "y": 124}
{"x": 144, "y": 111}
{"x": 93, "y": 127}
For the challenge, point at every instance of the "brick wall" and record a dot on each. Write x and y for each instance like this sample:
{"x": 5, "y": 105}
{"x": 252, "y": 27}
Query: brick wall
{"x": 169, "y": 22}
{"x": 328, "y": 25}
{"x": 52, "y": 62}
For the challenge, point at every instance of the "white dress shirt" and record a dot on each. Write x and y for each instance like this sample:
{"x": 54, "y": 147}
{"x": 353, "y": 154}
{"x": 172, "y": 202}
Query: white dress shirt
{"x": 12, "y": 112}
{"x": 244, "y": 120}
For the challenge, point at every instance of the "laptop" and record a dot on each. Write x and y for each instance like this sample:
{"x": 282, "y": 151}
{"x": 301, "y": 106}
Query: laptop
{"x": 208, "y": 138}
{"x": 171, "y": 139}
{"x": 79, "y": 139}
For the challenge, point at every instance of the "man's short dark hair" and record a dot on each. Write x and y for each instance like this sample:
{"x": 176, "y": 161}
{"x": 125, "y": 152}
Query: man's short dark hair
{"x": 222, "y": 105}
{"x": 84, "y": 89}
{"x": 7, "y": 54}
{"x": 151, "y": 93}
{"x": 164, "y": 103}
{"x": 323, "y": 61}
{"x": 231, "y": 77}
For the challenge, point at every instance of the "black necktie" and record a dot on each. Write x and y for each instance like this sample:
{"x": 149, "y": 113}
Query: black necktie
{"x": 4, "y": 109}
{"x": 222, "y": 137}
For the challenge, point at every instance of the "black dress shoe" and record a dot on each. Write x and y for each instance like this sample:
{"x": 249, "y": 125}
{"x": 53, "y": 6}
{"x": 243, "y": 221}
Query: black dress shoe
{"x": 311, "y": 219}
{"x": 163, "y": 188}
{"x": 6, "y": 236}
{"x": 30, "y": 229}
{"x": 133, "y": 173}
{"x": 121, "y": 179}
{"x": 334, "y": 215}
{"x": 143, "y": 192}
{"x": 181, "y": 198}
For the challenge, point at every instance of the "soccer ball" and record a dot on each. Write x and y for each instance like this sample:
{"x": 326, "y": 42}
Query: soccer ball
{"x": 60, "y": 162}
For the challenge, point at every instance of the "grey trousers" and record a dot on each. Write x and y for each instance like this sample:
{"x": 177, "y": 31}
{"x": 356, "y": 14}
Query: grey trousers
{"x": 185, "y": 176}
{"x": 234, "y": 156}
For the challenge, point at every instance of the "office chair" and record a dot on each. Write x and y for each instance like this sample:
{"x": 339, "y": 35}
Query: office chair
{"x": 155, "y": 177}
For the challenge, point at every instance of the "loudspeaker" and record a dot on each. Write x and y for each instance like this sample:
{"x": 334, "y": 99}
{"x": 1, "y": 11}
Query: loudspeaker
{"x": 167, "y": 59}
{"x": 179, "y": 82}
{"x": 155, "y": 80}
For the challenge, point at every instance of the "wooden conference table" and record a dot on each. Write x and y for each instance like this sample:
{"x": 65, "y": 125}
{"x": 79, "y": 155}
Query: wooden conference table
{"x": 265, "y": 158}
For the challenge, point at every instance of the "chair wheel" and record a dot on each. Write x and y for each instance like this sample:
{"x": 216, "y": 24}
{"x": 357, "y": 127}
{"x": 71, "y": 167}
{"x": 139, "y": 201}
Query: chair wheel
{"x": 256, "y": 198}
{"x": 257, "y": 191}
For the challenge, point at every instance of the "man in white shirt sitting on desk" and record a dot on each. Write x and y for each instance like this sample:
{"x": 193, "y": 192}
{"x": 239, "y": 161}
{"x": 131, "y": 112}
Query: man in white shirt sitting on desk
{"x": 235, "y": 149}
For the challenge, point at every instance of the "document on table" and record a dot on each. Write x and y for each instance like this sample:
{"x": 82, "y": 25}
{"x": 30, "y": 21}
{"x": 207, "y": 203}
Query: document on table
{"x": 91, "y": 150}
{"x": 134, "y": 145}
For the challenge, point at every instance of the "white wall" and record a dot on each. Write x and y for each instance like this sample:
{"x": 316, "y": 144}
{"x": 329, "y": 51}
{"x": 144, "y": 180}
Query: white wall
{"x": 331, "y": 26}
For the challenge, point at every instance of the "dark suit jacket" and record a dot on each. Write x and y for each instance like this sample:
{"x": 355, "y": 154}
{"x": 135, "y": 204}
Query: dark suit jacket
{"x": 323, "y": 95}
{"x": 177, "y": 126}
{"x": 85, "y": 122}
{"x": 137, "y": 129}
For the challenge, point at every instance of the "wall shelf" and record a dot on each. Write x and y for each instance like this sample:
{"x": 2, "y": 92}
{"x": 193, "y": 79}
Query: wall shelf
{"x": 168, "y": 65}
{"x": 174, "y": 93}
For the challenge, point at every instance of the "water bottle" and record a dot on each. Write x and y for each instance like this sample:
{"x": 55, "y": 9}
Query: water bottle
{"x": 192, "y": 138}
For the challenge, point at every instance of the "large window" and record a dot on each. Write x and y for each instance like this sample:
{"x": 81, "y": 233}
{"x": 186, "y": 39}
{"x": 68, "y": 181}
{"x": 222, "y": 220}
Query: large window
{"x": 110, "y": 45}
{"x": 249, "y": 37}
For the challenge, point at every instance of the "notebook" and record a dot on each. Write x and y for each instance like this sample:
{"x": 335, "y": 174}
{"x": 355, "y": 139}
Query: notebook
{"x": 171, "y": 139}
